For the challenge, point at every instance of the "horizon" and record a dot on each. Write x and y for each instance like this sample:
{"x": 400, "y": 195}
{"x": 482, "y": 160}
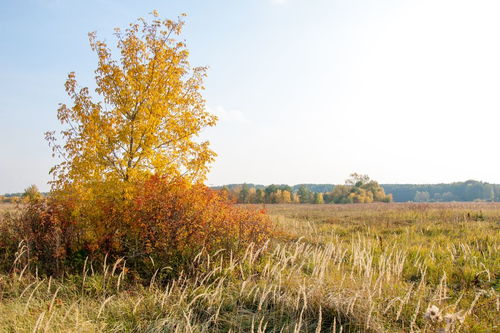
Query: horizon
{"x": 306, "y": 184}
{"x": 404, "y": 92}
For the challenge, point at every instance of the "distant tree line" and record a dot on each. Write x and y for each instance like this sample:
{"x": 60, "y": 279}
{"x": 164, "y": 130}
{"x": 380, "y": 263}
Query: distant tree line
{"x": 470, "y": 190}
{"x": 357, "y": 189}
{"x": 30, "y": 193}
{"x": 360, "y": 189}
{"x": 366, "y": 191}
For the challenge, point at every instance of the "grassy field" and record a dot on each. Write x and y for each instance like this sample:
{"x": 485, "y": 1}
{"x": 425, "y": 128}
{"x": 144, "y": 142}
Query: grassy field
{"x": 6, "y": 207}
{"x": 330, "y": 268}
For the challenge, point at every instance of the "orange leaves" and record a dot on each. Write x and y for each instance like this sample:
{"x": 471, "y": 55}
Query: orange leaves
{"x": 167, "y": 220}
{"x": 188, "y": 217}
{"x": 179, "y": 218}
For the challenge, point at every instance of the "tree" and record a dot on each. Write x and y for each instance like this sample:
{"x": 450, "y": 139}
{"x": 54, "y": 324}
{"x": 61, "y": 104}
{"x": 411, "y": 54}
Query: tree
{"x": 360, "y": 195}
{"x": 340, "y": 193}
{"x": 318, "y": 198}
{"x": 144, "y": 117}
{"x": 422, "y": 196}
{"x": 357, "y": 180}
{"x": 31, "y": 194}
{"x": 252, "y": 195}
{"x": 260, "y": 196}
{"x": 269, "y": 191}
{"x": 276, "y": 197}
{"x": 448, "y": 196}
{"x": 359, "y": 189}
{"x": 305, "y": 195}
{"x": 225, "y": 193}
{"x": 130, "y": 185}
{"x": 286, "y": 196}
{"x": 243, "y": 196}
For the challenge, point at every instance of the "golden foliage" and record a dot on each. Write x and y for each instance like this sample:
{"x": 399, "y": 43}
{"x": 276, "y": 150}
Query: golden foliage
{"x": 130, "y": 183}
{"x": 145, "y": 117}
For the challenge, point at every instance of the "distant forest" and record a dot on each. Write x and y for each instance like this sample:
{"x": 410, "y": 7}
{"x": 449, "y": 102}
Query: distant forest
{"x": 470, "y": 190}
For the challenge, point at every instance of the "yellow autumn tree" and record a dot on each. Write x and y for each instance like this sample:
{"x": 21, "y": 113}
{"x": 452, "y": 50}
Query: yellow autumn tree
{"x": 286, "y": 196}
{"x": 145, "y": 115}
{"x": 130, "y": 184}
{"x": 31, "y": 193}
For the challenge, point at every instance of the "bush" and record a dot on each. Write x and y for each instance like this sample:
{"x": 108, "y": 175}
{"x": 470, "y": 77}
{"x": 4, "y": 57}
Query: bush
{"x": 158, "y": 222}
{"x": 172, "y": 222}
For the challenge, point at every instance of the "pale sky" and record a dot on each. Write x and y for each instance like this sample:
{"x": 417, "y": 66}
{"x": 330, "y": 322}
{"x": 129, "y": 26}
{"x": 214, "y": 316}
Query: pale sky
{"x": 307, "y": 91}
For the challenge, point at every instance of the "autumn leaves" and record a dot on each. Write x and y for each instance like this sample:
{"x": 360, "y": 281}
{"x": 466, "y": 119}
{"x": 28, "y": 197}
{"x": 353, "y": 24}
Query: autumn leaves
{"x": 129, "y": 184}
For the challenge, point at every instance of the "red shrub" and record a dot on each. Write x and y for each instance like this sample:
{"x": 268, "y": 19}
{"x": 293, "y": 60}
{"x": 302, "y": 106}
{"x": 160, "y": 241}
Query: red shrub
{"x": 176, "y": 220}
{"x": 167, "y": 221}
{"x": 46, "y": 231}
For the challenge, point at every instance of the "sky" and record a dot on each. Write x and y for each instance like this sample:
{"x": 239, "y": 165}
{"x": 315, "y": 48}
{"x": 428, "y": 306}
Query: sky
{"x": 307, "y": 91}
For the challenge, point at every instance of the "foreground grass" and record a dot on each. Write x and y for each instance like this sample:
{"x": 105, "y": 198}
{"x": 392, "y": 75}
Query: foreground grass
{"x": 331, "y": 268}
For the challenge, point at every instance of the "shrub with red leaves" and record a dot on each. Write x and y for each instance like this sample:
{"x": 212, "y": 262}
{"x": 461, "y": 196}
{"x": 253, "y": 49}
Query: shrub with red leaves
{"x": 177, "y": 219}
{"x": 160, "y": 221}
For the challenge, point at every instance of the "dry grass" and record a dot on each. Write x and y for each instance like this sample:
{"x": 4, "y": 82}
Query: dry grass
{"x": 6, "y": 207}
{"x": 331, "y": 268}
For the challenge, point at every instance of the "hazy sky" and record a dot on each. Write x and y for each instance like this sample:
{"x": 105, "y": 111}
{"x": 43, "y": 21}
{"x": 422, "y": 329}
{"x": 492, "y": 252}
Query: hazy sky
{"x": 307, "y": 91}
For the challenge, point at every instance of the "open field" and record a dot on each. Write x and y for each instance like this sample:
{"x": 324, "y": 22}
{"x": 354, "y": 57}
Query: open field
{"x": 330, "y": 268}
{"x": 6, "y": 207}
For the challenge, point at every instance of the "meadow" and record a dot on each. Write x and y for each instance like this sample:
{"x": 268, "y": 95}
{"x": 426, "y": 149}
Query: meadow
{"x": 7, "y": 207}
{"x": 328, "y": 268}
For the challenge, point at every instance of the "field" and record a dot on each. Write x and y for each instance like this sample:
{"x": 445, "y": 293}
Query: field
{"x": 6, "y": 207}
{"x": 329, "y": 268}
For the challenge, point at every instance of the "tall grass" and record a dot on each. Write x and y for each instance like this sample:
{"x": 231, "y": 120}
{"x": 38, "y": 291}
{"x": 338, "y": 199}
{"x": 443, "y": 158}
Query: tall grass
{"x": 330, "y": 268}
